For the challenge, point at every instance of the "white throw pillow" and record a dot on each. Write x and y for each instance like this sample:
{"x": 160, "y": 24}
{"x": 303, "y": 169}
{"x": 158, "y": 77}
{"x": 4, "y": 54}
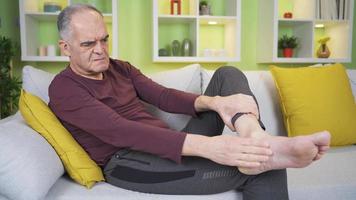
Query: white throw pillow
{"x": 186, "y": 79}
{"x": 352, "y": 76}
{"x": 28, "y": 164}
{"x": 36, "y": 81}
{"x": 263, "y": 87}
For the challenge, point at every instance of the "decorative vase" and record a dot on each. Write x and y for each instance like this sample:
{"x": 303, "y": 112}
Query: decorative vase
{"x": 163, "y": 52}
{"x": 288, "y": 52}
{"x": 186, "y": 47}
{"x": 323, "y": 51}
{"x": 176, "y": 48}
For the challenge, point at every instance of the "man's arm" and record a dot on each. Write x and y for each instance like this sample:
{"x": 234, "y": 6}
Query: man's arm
{"x": 167, "y": 99}
{"x": 74, "y": 105}
{"x": 228, "y": 150}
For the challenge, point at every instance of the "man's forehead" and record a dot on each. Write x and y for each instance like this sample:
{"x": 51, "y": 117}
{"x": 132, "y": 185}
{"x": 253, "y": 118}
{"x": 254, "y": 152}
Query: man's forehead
{"x": 88, "y": 25}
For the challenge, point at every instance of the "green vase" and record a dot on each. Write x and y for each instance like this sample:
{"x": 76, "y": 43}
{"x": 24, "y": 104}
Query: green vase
{"x": 186, "y": 47}
{"x": 176, "y": 48}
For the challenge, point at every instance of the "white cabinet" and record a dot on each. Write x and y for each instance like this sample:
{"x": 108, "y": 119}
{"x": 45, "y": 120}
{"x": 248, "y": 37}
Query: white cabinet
{"x": 311, "y": 20}
{"x": 39, "y": 35}
{"x": 213, "y": 38}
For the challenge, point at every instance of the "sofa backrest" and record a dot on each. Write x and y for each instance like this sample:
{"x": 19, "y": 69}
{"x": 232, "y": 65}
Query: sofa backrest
{"x": 263, "y": 87}
{"x": 194, "y": 79}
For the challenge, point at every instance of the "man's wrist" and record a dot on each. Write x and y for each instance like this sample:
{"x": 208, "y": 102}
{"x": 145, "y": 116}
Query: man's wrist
{"x": 205, "y": 103}
{"x": 195, "y": 145}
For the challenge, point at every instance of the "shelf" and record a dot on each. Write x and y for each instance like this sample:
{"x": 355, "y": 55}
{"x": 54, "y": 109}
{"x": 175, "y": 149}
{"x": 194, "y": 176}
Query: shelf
{"x": 173, "y": 59}
{"x": 309, "y": 60}
{"x": 47, "y": 58}
{"x": 219, "y": 19}
{"x": 52, "y": 16}
{"x": 284, "y": 20}
{"x": 338, "y": 46}
{"x": 272, "y": 25}
{"x": 302, "y": 30}
{"x": 172, "y": 19}
{"x": 39, "y": 29}
{"x": 214, "y": 38}
{"x": 301, "y": 9}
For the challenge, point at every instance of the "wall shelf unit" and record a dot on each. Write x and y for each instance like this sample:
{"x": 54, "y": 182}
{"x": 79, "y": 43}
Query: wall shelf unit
{"x": 214, "y": 37}
{"x": 307, "y": 15}
{"x": 39, "y": 28}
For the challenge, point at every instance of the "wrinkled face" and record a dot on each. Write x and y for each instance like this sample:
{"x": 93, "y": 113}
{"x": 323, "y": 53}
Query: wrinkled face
{"x": 87, "y": 45}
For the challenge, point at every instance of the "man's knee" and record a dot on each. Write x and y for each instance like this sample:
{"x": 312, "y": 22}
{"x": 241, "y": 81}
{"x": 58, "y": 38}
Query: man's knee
{"x": 230, "y": 71}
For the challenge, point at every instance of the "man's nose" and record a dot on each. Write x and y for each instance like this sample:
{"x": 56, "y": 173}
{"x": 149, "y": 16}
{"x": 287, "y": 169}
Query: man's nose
{"x": 99, "y": 47}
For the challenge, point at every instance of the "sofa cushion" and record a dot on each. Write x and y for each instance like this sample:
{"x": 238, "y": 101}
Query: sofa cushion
{"x": 36, "y": 81}
{"x": 76, "y": 161}
{"x": 332, "y": 177}
{"x": 186, "y": 79}
{"x": 316, "y": 99}
{"x": 352, "y": 77}
{"x": 28, "y": 164}
{"x": 65, "y": 189}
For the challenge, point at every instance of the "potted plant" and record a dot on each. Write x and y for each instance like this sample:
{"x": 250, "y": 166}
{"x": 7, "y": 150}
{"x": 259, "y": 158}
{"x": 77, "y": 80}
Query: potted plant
{"x": 9, "y": 86}
{"x": 287, "y": 44}
{"x": 204, "y": 8}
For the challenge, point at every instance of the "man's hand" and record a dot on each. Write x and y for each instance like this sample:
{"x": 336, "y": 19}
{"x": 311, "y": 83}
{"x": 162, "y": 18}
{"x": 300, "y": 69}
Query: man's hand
{"x": 228, "y": 150}
{"x": 228, "y": 106}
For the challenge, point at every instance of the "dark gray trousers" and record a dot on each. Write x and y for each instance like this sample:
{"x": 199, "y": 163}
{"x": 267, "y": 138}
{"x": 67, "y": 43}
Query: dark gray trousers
{"x": 148, "y": 173}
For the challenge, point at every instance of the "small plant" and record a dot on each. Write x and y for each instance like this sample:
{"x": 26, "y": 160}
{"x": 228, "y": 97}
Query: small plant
{"x": 9, "y": 86}
{"x": 203, "y": 3}
{"x": 204, "y": 8}
{"x": 286, "y": 42}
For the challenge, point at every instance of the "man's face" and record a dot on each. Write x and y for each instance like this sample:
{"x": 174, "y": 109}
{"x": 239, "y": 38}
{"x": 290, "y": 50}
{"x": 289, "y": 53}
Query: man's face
{"x": 87, "y": 45}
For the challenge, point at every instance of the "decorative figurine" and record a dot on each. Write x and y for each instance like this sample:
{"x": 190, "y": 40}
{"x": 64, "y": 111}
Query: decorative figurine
{"x": 323, "y": 51}
{"x": 173, "y": 3}
{"x": 288, "y": 15}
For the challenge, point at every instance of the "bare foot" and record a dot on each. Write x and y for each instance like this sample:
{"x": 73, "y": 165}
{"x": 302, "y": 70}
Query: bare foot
{"x": 293, "y": 152}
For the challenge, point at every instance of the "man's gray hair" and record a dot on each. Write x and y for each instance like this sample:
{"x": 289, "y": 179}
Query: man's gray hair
{"x": 65, "y": 17}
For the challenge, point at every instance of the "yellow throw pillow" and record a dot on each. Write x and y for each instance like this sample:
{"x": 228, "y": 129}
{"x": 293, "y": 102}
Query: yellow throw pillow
{"x": 316, "y": 99}
{"x": 76, "y": 161}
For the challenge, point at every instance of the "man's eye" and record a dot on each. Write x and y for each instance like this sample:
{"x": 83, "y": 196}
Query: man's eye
{"x": 88, "y": 44}
{"x": 105, "y": 39}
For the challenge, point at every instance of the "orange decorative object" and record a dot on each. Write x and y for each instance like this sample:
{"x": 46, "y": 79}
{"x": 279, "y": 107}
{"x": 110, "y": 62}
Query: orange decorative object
{"x": 178, "y": 2}
{"x": 288, "y": 15}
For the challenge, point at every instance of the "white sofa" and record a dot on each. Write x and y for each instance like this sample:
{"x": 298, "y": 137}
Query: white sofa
{"x": 30, "y": 169}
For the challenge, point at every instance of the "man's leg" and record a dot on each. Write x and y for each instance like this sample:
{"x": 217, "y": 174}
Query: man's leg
{"x": 148, "y": 173}
{"x": 288, "y": 152}
{"x": 228, "y": 81}
{"x": 225, "y": 81}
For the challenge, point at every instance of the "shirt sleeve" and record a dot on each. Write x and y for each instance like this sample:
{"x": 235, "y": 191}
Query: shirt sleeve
{"x": 74, "y": 105}
{"x": 167, "y": 99}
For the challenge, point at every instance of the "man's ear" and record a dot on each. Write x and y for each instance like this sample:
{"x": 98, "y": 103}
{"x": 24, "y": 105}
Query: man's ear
{"x": 65, "y": 49}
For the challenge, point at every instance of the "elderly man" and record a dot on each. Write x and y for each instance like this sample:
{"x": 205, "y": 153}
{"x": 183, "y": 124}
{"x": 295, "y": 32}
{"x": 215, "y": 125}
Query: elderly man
{"x": 99, "y": 100}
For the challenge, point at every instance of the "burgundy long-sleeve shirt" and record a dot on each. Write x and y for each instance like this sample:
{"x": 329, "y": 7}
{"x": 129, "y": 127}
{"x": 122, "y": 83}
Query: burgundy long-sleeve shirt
{"x": 107, "y": 115}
